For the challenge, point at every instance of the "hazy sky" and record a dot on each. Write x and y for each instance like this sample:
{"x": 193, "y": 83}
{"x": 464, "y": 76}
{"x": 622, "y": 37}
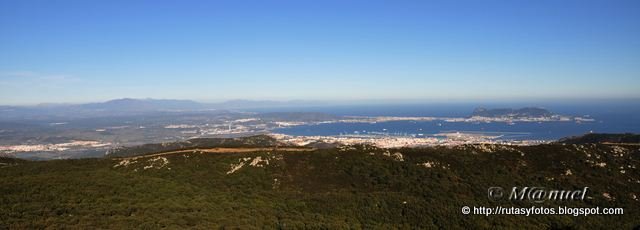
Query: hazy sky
{"x": 79, "y": 51}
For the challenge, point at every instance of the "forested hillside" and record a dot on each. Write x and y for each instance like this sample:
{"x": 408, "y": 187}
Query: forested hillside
{"x": 344, "y": 187}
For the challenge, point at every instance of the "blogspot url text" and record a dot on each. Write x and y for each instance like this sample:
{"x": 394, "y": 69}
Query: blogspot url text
{"x": 537, "y": 210}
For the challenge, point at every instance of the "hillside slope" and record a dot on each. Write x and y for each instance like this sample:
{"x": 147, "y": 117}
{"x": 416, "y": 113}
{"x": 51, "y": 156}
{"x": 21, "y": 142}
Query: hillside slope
{"x": 591, "y": 138}
{"x": 358, "y": 187}
{"x": 247, "y": 142}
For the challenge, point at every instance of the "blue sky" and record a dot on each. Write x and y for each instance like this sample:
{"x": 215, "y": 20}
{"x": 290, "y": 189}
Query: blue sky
{"x": 80, "y": 51}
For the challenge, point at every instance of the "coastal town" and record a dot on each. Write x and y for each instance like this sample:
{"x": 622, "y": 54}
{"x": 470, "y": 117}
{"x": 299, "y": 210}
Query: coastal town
{"x": 101, "y": 138}
{"x": 444, "y": 139}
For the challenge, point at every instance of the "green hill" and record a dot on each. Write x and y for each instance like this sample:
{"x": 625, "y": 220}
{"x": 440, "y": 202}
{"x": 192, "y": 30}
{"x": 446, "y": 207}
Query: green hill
{"x": 622, "y": 138}
{"x": 344, "y": 187}
{"x": 250, "y": 141}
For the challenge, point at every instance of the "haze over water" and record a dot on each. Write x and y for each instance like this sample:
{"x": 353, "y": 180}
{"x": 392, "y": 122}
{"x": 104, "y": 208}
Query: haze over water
{"x": 612, "y": 117}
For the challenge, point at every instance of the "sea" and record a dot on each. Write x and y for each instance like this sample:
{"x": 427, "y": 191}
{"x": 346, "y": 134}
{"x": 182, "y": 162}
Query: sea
{"x": 610, "y": 117}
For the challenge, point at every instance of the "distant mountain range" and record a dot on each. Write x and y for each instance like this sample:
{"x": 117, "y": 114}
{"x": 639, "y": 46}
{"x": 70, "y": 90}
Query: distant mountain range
{"x": 130, "y": 106}
{"x": 513, "y": 113}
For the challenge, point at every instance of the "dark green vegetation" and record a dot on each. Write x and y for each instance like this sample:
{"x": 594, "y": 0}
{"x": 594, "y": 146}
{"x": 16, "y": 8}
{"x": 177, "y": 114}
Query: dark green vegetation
{"x": 360, "y": 187}
{"x": 624, "y": 138}
{"x": 252, "y": 141}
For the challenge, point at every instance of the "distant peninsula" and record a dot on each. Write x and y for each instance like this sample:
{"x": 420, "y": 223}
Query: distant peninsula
{"x": 526, "y": 112}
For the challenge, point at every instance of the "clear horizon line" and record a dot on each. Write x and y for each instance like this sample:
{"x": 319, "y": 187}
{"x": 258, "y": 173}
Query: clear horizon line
{"x": 354, "y": 101}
